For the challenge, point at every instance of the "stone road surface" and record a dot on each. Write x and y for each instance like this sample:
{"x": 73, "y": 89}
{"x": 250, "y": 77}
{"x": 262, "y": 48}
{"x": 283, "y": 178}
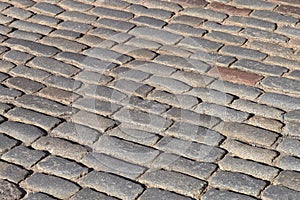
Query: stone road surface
{"x": 150, "y": 99}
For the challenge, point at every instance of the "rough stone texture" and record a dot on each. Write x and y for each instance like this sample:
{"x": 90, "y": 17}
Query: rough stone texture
{"x": 9, "y": 191}
{"x": 279, "y": 192}
{"x": 289, "y": 179}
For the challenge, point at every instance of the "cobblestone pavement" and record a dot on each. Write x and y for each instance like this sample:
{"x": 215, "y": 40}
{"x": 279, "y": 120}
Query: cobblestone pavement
{"x": 150, "y": 99}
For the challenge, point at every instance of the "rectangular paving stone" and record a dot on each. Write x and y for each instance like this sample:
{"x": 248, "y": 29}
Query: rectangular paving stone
{"x": 63, "y": 44}
{"x": 63, "y": 96}
{"x": 205, "y": 14}
{"x": 226, "y": 37}
{"x": 104, "y": 163}
{"x": 291, "y": 64}
{"x": 71, "y": 35}
{"x": 293, "y": 116}
{"x": 154, "y": 193}
{"x": 161, "y": 36}
{"x": 77, "y": 16}
{"x": 38, "y": 195}
{"x": 281, "y": 101}
{"x": 274, "y": 17}
{"x": 251, "y": 168}
{"x": 252, "y": 22}
{"x": 132, "y": 87}
{"x": 174, "y": 7}
{"x": 249, "y": 152}
{"x": 192, "y": 79}
{"x": 112, "y": 185}
{"x": 111, "y": 13}
{"x": 45, "y": 20}
{"x": 185, "y": 29}
{"x": 17, "y": 57}
{"x": 200, "y": 44}
{"x": 291, "y": 129}
{"x": 272, "y": 49}
{"x": 288, "y": 9}
{"x": 238, "y": 182}
{"x": 168, "y": 84}
{"x": 4, "y": 108}
{"x": 213, "y": 58}
{"x": 143, "y": 43}
{"x": 47, "y": 8}
{"x": 152, "y": 68}
{"x": 135, "y": 52}
{"x": 55, "y": 186}
{"x": 44, "y": 105}
{"x": 148, "y": 21}
{"x": 192, "y": 150}
{"x": 180, "y": 100}
{"x": 61, "y": 167}
{"x": 265, "y": 123}
{"x": 23, "y": 132}
{"x": 95, "y": 121}
{"x": 255, "y": 4}
{"x": 211, "y": 96}
{"x": 128, "y": 73}
{"x": 12, "y": 172}
{"x": 60, "y": 147}
{"x": 25, "y": 35}
{"x": 125, "y": 150}
{"x": 6, "y": 66}
{"x": 25, "y": 85}
{"x": 173, "y": 181}
{"x": 31, "y": 27}
{"x": 247, "y": 133}
{"x": 221, "y": 27}
{"x": 172, "y": 162}
{"x": 75, "y": 26}
{"x": 62, "y": 82}
{"x": 150, "y": 12}
{"x": 278, "y": 192}
{"x": 6, "y": 143}
{"x": 23, "y": 156}
{"x": 87, "y": 193}
{"x": 93, "y": 77}
{"x": 28, "y": 72}
{"x": 216, "y": 194}
{"x": 288, "y": 163}
{"x": 76, "y": 132}
{"x": 182, "y": 63}
{"x": 243, "y": 52}
{"x": 174, "y": 50}
{"x": 129, "y": 133}
{"x": 290, "y": 146}
{"x": 281, "y": 84}
{"x": 257, "y": 109}
{"x": 290, "y": 179}
{"x": 10, "y": 190}
{"x": 295, "y": 74}
{"x": 262, "y": 34}
{"x": 3, "y": 76}
{"x": 194, "y": 133}
{"x": 52, "y": 65}
{"x": 225, "y": 113}
{"x": 188, "y": 116}
{"x": 118, "y": 25}
{"x": 8, "y": 93}
{"x": 232, "y": 10}
{"x": 31, "y": 117}
{"x": 75, "y": 5}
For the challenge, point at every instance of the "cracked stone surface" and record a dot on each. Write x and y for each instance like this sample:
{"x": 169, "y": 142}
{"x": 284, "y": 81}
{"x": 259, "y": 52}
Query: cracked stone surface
{"x": 150, "y": 99}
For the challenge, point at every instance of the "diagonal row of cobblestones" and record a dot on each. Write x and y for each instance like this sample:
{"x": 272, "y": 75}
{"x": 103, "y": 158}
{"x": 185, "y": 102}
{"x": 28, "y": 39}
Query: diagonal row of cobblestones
{"x": 150, "y": 99}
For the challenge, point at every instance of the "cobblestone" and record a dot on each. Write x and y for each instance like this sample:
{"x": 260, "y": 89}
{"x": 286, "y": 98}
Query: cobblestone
{"x": 174, "y": 181}
{"x": 38, "y": 196}
{"x": 23, "y": 156}
{"x": 281, "y": 101}
{"x": 289, "y": 163}
{"x": 75, "y": 26}
{"x": 63, "y": 44}
{"x": 252, "y": 22}
{"x": 225, "y": 37}
{"x": 289, "y": 179}
{"x": 151, "y": 12}
{"x": 243, "y": 52}
{"x": 188, "y": 20}
{"x": 25, "y": 35}
{"x": 169, "y": 84}
{"x": 102, "y": 162}
{"x": 274, "y": 17}
{"x": 77, "y": 16}
{"x": 23, "y": 132}
{"x": 214, "y": 194}
{"x": 63, "y": 96}
{"x": 115, "y": 14}
{"x": 24, "y": 84}
{"x": 200, "y": 44}
{"x": 153, "y": 193}
{"x": 6, "y": 143}
{"x": 148, "y": 21}
{"x": 255, "y": 4}
{"x": 238, "y": 182}
{"x": 28, "y": 116}
{"x": 289, "y": 146}
{"x": 152, "y": 68}
{"x": 278, "y": 192}
{"x": 288, "y": 9}
{"x": 61, "y": 167}
{"x": 205, "y": 14}
{"x": 266, "y": 123}
{"x": 258, "y": 33}
{"x": 31, "y": 27}
{"x": 17, "y": 57}
{"x": 9, "y": 190}
{"x": 47, "y": 8}
{"x": 291, "y": 129}
{"x": 112, "y": 185}
{"x": 52, "y": 185}
{"x": 8, "y": 93}
{"x": 12, "y": 172}
{"x": 44, "y": 20}
{"x": 75, "y": 5}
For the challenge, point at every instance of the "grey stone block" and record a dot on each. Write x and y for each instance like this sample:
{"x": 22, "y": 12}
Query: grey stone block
{"x": 150, "y": 12}
{"x": 214, "y": 194}
{"x": 252, "y": 22}
{"x": 38, "y": 196}
{"x": 226, "y": 37}
{"x": 76, "y": 132}
{"x": 10, "y": 190}
{"x": 63, "y": 44}
{"x": 290, "y": 146}
{"x": 173, "y": 181}
{"x": 290, "y": 179}
{"x": 12, "y": 172}
{"x": 75, "y": 26}
{"x": 274, "y": 17}
{"x": 61, "y": 167}
{"x": 25, "y": 35}
{"x": 8, "y": 93}
{"x": 247, "y": 133}
{"x": 87, "y": 193}
{"x": 255, "y": 4}
{"x": 25, "y": 85}
{"x": 132, "y": 87}
{"x": 289, "y": 163}
{"x": 125, "y": 150}
{"x": 60, "y": 147}
{"x": 281, "y": 84}
{"x": 115, "y": 24}
{"x": 221, "y": 27}
{"x": 44, "y": 20}
{"x": 286, "y": 62}
{"x": 252, "y": 168}
{"x": 281, "y": 101}
{"x": 107, "y": 55}
{"x": 152, "y": 68}
{"x": 192, "y": 150}
{"x": 278, "y": 192}
{"x": 185, "y": 29}
{"x": 6, "y": 143}
{"x": 31, "y": 117}
{"x": 238, "y": 182}
{"x": 112, "y": 13}
{"x": 200, "y": 44}
{"x": 131, "y": 74}
{"x": 102, "y": 162}
{"x": 95, "y": 121}
{"x": 112, "y": 185}
{"x": 154, "y": 194}
{"x": 75, "y": 5}
{"x": 64, "y": 83}
{"x": 71, "y": 35}
{"x": 4, "y": 108}
{"x": 31, "y": 27}
{"x": 161, "y": 36}
{"x": 225, "y": 113}
{"x": 272, "y": 49}
{"x": 23, "y": 132}
{"x": 17, "y": 57}
{"x": 192, "y": 79}
{"x": 23, "y": 156}
{"x": 188, "y": 20}
{"x": 291, "y": 129}
{"x": 205, "y": 14}
{"x": 258, "y": 33}
{"x": 164, "y": 5}
{"x": 28, "y": 72}
{"x": 148, "y": 21}
{"x": 172, "y": 162}
{"x": 47, "y": 8}
{"x": 293, "y": 116}
{"x": 93, "y": 77}
{"x": 295, "y": 74}
{"x": 143, "y": 44}
{"x": 243, "y": 52}
{"x": 168, "y": 84}
{"x": 6, "y": 66}
{"x": 55, "y": 186}
{"x": 289, "y": 31}
{"x": 77, "y": 16}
